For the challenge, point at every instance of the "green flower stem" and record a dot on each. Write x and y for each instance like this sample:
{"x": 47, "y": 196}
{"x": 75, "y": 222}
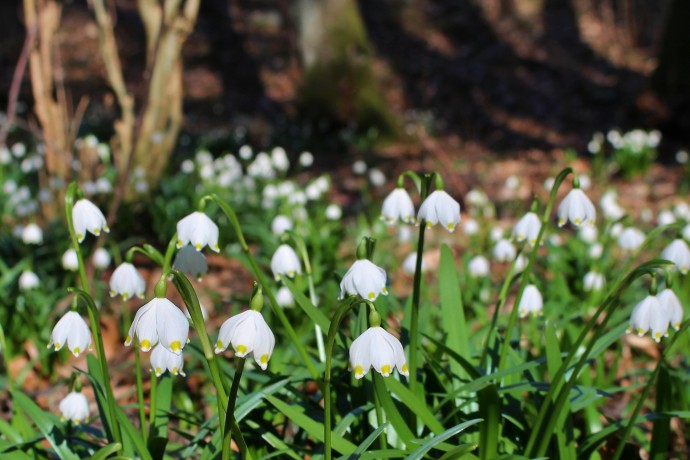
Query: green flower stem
{"x": 379, "y": 419}
{"x": 230, "y": 421}
{"x": 343, "y": 308}
{"x": 152, "y": 401}
{"x": 94, "y": 316}
{"x": 148, "y": 250}
{"x": 140, "y": 394}
{"x": 170, "y": 250}
{"x": 302, "y": 248}
{"x": 263, "y": 280}
{"x": 417, "y": 289}
{"x": 557, "y": 394}
{"x": 652, "y": 380}
{"x": 525, "y": 276}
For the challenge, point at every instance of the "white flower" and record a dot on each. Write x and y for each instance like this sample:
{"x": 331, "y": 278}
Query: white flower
{"x": 682, "y": 210}
{"x": 471, "y": 227}
{"x": 439, "y": 207}
{"x": 281, "y": 224}
{"x": 284, "y": 297}
{"x": 479, "y": 267}
{"x": 593, "y": 281}
{"x": 285, "y": 262}
{"x": 159, "y": 321}
{"x": 649, "y": 314}
{"x": 576, "y": 208}
{"x": 530, "y": 302}
{"x": 246, "y": 152}
{"x": 686, "y": 232}
{"x": 70, "y": 261}
{"x": 410, "y": 263}
{"x": 549, "y": 183}
{"x": 377, "y": 177}
{"x": 610, "y": 207}
{"x": 477, "y": 198}
{"x": 32, "y": 234}
{"x": 75, "y": 407}
{"x": 527, "y": 228}
{"x": 162, "y": 359}
{"x": 249, "y": 335}
{"x": 674, "y": 310}
{"x": 678, "y": 252}
{"x": 631, "y": 239}
{"x": 398, "y": 206}
{"x": 101, "y": 258}
{"x": 87, "y": 217}
{"x": 364, "y": 278}
{"x": 189, "y": 260}
{"x": 595, "y": 251}
{"x": 665, "y": 217}
{"x": 588, "y": 234}
{"x": 279, "y": 159}
{"x": 306, "y": 159}
{"x": 504, "y": 251}
{"x": 127, "y": 282}
{"x": 378, "y": 349}
{"x": 28, "y": 280}
{"x": 334, "y": 212}
{"x": 72, "y": 331}
{"x": 198, "y": 230}
{"x": 496, "y": 233}
{"x": 520, "y": 263}
{"x": 359, "y": 167}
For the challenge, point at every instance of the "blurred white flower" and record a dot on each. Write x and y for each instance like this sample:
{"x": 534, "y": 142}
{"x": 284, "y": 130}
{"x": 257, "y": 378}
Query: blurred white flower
{"x": 284, "y": 297}
{"x": 682, "y": 210}
{"x": 649, "y": 314}
{"x": 359, "y": 167}
{"x": 646, "y": 215}
{"x": 306, "y": 159}
{"x": 665, "y": 217}
{"x": 610, "y": 207}
{"x": 127, "y": 282}
{"x": 678, "y": 252}
{"x": 527, "y": 229}
{"x": 576, "y": 208}
{"x": 686, "y": 232}
{"x": 19, "y": 150}
{"x": 281, "y": 224}
{"x": 631, "y": 239}
{"x": 334, "y": 212}
{"x": 379, "y": 349}
{"x": 410, "y": 264}
{"x": 75, "y": 407}
{"x": 32, "y": 234}
{"x": 549, "y": 183}
{"x": 404, "y": 233}
{"x": 470, "y": 227}
{"x": 249, "y": 335}
{"x": 163, "y": 359}
{"x": 279, "y": 159}
{"x": 595, "y": 251}
{"x": 593, "y": 281}
{"x": 439, "y": 207}
{"x": 478, "y": 267}
{"x": 671, "y": 304}
{"x": 246, "y": 152}
{"x": 477, "y": 198}
{"x": 531, "y": 301}
{"x": 101, "y": 258}
{"x": 70, "y": 261}
{"x": 398, "y": 206}
{"x": 365, "y": 279}
{"x": 520, "y": 263}
{"x": 28, "y": 280}
{"x": 512, "y": 182}
{"x": 159, "y": 321}
{"x": 198, "y": 230}
{"x": 71, "y": 330}
{"x": 87, "y": 217}
{"x": 682, "y": 157}
{"x": 189, "y": 260}
{"x": 376, "y": 177}
{"x": 285, "y": 261}
{"x": 504, "y": 251}
{"x": 588, "y": 234}
{"x": 585, "y": 182}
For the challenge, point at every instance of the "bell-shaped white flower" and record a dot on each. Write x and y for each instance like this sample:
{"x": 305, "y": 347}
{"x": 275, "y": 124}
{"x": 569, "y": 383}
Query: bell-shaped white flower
{"x": 504, "y": 251}
{"x": 588, "y": 234}
{"x": 686, "y": 232}
{"x": 281, "y": 224}
{"x": 595, "y": 251}
{"x": 73, "y": 332}
{"x": 671, "y": 304}
{"x": 28, "y": 280}
{"x": 531, "y": 301}
{"x": 649, "y": 315}
{"x": 75, "y": 407}
{"x": 678, "y": 252}
{"x": 470, "y": 227}
{"x": 630, "y": 239}
{"x": 576, "y": 208}
{"x": 285, "y": 261}
{"x": 365, "y": 279}
{"x": 410, "y": 264}
{"x": 333, "y": 212}
{"x": 285, "y": 298}
{"x": 70, "y": 261}
{"x": 87, "y": 217}
{"x": 32, "y": 234}
{"x": 593, "y": 281}
{"x": 527, "y": 229}
{"x": 249, "y": 335}
{"x": 439, "y": 207}
{"x": 610, "y": 207}
{"x": 159, "y": 321}
{"x": 520, "y": 263}
{"x": 163, "y": 359}
{"x": 189, "y": 260}
{"x": 398, "y": 206}
{"x": 479, "y": 267}
{"x": 198, "y": 230}
{"x": 379, "y": 349}
{"x": 127, "y": 282}
{"x": 101, "y": 258}
{"x": 666, "y": 217}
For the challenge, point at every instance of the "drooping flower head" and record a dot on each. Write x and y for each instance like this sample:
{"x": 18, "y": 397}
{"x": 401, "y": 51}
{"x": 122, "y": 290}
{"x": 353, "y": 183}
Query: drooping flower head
{"x": 87, "y": 217}
{"x": 527, "y": 229}
{"x": 530, "y": 302}
{"x": 285, "y": 261}
{"x": 678, "y": 252}
{"x": 478, "y": 266}
{"x": 75, "y": 407}
{"x": 70, "y": 261}
{"x": 159, "y": 321}
{"x": 379, "y": 349}
{"x": 127, "y": 282}
{"x": 398, "y": 206}
{"x": 365, "y": 279}
{"x": 72, "y": 331}
{"x": 631, "y": 239}
{"x": 649, "y": 315}
{"x": 673, "y": 309}
{"x": 189, "y": 260}
{"x": 577, "y": 208}
{"x": 28, "y": 280}
{"x": 198, "y": 230}
{"x": 593, "y": 281}
{"x": 249, "y": 335}
{"x": 32, "y": 234}
{"x": 163, "y": 359}
{"x": 504, "y": 251}
{"x": 439, "y": 207}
